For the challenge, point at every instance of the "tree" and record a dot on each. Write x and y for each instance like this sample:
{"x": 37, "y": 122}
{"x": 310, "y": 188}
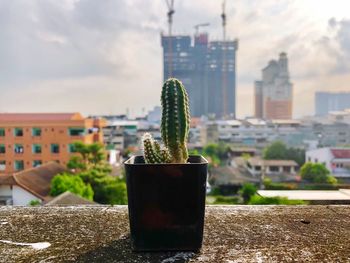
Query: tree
{"x": 316, "y": 173}
{"x": 279, "y": 151}
{"x": 216, "y": 153}
{"x": 89, "y": 156}
{"x": 296, "y": 154}
{"x": 74, "y": 184}
{"x": 90, "y": 166}
{"x": 276, "y": 151}
{"x": 111, "y": 190}
{"x": 247, "y": 191}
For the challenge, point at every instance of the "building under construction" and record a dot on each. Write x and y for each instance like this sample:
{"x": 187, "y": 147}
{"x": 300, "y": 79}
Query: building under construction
{"x": 207, "y": 69}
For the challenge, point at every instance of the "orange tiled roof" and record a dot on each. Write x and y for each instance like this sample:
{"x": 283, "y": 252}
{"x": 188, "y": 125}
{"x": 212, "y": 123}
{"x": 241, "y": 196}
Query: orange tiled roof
{"x": 40, "y": 116}
{"x": 38, "y": 180}
{"x": 7, "y": 180}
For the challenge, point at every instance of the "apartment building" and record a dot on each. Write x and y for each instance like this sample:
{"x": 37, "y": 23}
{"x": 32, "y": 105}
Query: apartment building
{"x": 273, "y": 94}
{"x": 206, "y": 68}
{"x": 31, "y": 139}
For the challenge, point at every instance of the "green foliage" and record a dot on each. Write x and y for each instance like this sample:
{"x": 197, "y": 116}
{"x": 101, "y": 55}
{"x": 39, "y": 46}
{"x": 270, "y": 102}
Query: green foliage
{"x": 317, "y": 173}
{"x": 174, "y": 127}
{"x": 111, "y": 190}
{"x": 247, "y": 191}
{"x": 296, "y": 154}
{"x": 215, "y": 191}
{"x": 318, "y": 187}
{"x": 89, "y": 156}
{"x": 34, "y": 203}
{"x": 332, "y": 180}
{"x": 226, "y": 200}
{"x": 91, "y": 175}
{"x": 269, "y": 185}
{"x": 74, "y": 184}
{"x": 259, "y": 200}
{"x": 216, "y": 153}
{"x": 279, "y": 151}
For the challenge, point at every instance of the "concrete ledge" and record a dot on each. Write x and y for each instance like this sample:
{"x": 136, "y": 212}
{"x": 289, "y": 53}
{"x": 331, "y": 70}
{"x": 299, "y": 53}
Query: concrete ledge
{"x": 232, "y": 234}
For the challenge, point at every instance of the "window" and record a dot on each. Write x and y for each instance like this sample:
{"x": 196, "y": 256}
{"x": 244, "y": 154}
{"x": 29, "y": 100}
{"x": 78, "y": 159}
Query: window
{"x": 274, "y": 168}
{"x": 2, "y": 165}
{"x": 36, "y": 148}
{"x": 19, "y": 148}
{"x": 286, "y": 169}
{"x": 309, "y": 159}
{"x": 76, "y": 131}
{"x": 37, "y": 163}
{"x": 36, "y": 132}
{"x": 71, "y": 148}
{"x": 19, "y": 165}
{"x": 2, "y": 132}
{"x": 55, "y": 148}
{"x": 18, "y": 132}
{"x": 316, "y": 160}
{"x": 2, "y": 148}
{"x": 257, "y": 168}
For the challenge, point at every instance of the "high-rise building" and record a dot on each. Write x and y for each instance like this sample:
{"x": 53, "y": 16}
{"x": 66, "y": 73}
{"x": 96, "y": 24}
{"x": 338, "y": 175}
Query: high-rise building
{"x": 273, "y": 94}
{"x": 31, "y": 139}
{"x": 207, "y": 69}
{"x": 331, "y": 101}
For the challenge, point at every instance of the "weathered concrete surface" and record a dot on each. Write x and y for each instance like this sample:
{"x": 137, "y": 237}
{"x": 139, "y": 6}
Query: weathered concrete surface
{"x": 232, "y": 234}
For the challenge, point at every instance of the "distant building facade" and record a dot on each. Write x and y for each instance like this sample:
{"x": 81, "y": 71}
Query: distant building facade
{"x": 273, "y": 94}
{"x": 331, "y": 101}
{"x": 207, "y": 69}
{"x": 31, "y": 139}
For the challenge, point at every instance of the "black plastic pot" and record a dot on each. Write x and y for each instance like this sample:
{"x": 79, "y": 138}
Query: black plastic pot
{"x": 166, "y": 204}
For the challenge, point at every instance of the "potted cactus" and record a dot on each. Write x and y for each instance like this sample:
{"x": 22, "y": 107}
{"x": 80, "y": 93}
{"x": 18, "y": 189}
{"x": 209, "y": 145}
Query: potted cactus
{"x": 166, "y": 187}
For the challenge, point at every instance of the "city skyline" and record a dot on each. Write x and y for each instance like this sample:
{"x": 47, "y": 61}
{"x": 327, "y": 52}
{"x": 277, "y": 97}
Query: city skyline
{"x": 90, "y": 57}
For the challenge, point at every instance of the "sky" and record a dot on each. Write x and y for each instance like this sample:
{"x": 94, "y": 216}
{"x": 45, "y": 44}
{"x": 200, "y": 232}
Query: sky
{"x": 104, "y": 57}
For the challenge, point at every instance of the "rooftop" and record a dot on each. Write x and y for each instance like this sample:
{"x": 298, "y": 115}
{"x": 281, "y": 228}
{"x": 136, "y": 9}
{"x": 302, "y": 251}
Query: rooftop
{"x": 231, "y": 234}
{"x": 37, "y": 180}
{"x": 259, "y": 162}
{"x": 68, "y": 198}
{"x": 308, "y": 195}
{"x": 16, "y": 117}
{"x": 341, "y": 153}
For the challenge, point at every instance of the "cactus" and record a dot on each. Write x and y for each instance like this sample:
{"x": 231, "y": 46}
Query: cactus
{"x": 174, "y": 126}
{"x": 153, "y": 152}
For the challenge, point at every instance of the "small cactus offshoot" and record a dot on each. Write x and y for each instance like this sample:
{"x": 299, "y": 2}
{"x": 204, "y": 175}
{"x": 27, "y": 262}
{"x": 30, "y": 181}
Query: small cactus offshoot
{"x": 174, "y": 127}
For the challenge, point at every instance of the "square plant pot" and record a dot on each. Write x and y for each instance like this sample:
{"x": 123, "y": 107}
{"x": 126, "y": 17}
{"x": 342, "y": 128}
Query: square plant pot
{"x": 166, "y": 204}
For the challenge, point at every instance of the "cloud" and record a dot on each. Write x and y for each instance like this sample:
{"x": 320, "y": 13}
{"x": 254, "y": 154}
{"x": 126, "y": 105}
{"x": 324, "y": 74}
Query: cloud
{"x": 105, "y": 56}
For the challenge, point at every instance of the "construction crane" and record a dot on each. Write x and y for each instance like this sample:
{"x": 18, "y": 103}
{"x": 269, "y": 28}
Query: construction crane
{"x": 196, "y": 27}
{"x": 170, "y": 13}
{"x": 224, "y": 61}
{"x": 223, "y": 17}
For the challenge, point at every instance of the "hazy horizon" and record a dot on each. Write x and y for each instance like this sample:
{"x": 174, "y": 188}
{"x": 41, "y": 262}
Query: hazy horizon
{"x": 102, "y": 57}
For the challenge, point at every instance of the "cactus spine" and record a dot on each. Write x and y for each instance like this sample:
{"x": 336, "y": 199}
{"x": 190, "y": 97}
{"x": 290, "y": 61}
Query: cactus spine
{"x": 174, "y": 126}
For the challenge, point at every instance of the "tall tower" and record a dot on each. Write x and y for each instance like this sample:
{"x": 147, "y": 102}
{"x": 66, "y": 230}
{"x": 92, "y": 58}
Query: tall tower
{"x": 222, "y": 78}
{"x": 207, "y": 69}
{"x": 273, "y": 95}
